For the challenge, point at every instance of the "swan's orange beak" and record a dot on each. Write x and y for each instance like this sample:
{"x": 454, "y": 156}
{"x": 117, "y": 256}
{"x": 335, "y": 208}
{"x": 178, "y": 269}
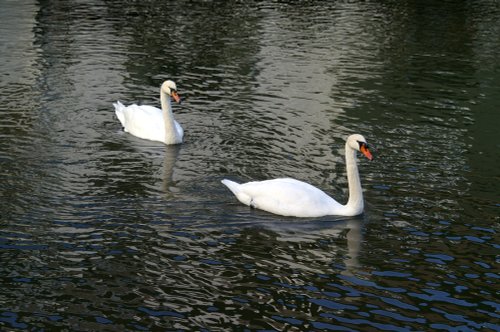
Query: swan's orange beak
{"x": 176, "y": 97}
{"x": 364, "y": 150}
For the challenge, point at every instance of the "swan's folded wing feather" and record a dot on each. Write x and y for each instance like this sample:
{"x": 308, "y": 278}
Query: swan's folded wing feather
{"x": 144, "y": 122}
{"x": 288, "y": 197}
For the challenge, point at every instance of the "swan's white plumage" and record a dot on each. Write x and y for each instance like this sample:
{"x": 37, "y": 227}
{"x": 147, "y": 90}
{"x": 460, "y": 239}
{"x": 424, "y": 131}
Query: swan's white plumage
{"x": 286, "y": 197}
{"x": 290, "y": 197}
{"x": 144, "y": 122}
{"x": 149, "y": 122}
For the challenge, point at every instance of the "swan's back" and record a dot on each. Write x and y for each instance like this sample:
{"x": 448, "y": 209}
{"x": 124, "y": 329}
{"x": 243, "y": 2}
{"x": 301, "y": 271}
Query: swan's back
{"x": 287, "y": 197}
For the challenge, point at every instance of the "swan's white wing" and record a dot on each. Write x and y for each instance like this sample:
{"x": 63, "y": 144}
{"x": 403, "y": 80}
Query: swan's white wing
{"x": 142, "y": 121}
{"x": 289, "y": 197}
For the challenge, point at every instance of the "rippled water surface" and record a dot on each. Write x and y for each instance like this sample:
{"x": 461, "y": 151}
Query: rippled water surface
{"x": 100, "y": 230}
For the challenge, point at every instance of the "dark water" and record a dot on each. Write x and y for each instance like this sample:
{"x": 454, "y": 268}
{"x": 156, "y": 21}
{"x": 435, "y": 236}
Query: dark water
{"x": 103, "y": 231}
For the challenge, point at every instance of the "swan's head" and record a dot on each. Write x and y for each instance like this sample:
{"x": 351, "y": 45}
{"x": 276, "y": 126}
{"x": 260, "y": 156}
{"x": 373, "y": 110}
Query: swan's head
{"x": 170, "y": 89}
{"x": 358, "y": 143}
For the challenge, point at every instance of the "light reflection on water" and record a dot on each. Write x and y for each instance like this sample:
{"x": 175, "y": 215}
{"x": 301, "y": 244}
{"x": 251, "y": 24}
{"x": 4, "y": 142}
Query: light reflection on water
{"x": 104, "y": 231}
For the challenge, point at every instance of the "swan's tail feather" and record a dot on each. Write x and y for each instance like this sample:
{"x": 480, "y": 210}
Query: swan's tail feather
{"x": 233, "y": 186}
{"x": 119, "y": 108}
{"x": 236, "y": 190}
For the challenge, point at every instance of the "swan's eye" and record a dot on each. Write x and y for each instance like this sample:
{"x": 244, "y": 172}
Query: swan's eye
{"x": 361, "y": 144}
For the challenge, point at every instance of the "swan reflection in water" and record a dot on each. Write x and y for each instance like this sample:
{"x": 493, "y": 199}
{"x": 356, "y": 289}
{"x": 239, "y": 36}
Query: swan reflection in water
{"x": 158, "y": 162}
{"x": 169, "y": 159}
{"x": 313, "y": 231}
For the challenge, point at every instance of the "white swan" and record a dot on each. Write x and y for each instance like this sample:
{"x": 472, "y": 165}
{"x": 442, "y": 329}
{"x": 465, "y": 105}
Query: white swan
{"x": 290, "y": 197}
{"x": 152, "y": 123}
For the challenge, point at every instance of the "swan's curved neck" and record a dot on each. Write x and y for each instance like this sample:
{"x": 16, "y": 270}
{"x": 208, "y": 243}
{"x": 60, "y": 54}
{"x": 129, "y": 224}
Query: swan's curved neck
{"x": 168, "y": 118}
{"x": 355, "y": 203}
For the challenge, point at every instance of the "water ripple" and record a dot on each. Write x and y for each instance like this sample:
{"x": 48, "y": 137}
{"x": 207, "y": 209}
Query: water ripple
{"x": 99, "y": 226}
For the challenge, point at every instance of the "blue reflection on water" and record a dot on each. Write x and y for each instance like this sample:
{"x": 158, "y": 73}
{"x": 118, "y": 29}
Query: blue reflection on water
{"x": 161, "y": 313}
{"x": 11, "y": 319}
